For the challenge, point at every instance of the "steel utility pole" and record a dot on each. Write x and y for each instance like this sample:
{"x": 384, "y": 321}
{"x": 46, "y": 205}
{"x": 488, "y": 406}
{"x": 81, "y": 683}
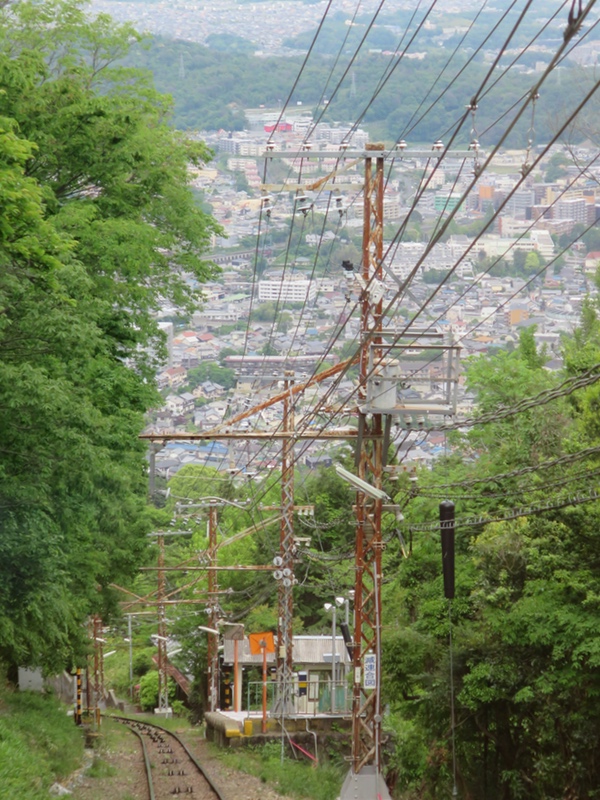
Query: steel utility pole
{"x": 365, "y": 781}
{"x": 213, "y": 609}
{"x": 285, "y": 620}
{"x": 97, "y": 687}
{"x": 163, "y": 678}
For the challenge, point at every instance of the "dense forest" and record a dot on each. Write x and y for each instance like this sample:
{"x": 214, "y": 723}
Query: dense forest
{"x": 97, "y": 228}
{"x": 93, "y": 196}
{"x": 216, "y": 86}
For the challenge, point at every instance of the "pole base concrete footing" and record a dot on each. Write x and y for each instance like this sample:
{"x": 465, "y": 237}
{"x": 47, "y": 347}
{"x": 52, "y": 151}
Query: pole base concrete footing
{"x": 368, "y": 784}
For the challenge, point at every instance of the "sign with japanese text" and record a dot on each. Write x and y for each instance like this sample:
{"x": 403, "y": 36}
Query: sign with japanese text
{"x": 370, "y": 671}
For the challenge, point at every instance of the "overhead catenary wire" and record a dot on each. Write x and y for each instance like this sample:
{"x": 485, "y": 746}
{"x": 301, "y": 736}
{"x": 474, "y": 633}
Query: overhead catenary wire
{"x": 566, "y": 388}
{"x": 533, "y": 93}
{"x": 515, "y": 513}
{"x": 322, "y": 99}
{"x": 533, "y": 488}
{"x": 531, "y": 402}
{"x": 514, "y": 245}
{"x": 388, "y": 71}
{"x": 539, "y": 83}
{"x": 561, "y": 461}
{"x": 303, "y": 66}
{"x": 407, "y": 130}
{"x": 525, "y": 406}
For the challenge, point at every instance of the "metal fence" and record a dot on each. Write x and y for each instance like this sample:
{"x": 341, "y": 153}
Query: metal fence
{"x": 310, "y": 697}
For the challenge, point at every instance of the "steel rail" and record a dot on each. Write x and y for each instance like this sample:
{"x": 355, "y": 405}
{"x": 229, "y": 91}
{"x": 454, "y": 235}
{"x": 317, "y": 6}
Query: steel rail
{"x": 129, "y": 720}
{"x": 147, "y": 763}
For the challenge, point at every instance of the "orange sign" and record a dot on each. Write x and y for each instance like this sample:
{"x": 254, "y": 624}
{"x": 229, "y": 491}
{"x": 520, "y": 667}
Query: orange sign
{"x": 258, "y": 641}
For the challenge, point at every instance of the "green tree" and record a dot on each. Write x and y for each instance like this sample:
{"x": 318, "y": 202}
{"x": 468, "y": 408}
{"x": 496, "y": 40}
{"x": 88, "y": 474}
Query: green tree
{"x": 211, "y": 371}
{"x": 284, "y": 322}
{"x": 265, "y": 312}
{"x": 114, "y": 174}
{"x": 97, "y": 226}
{"x": 556, "y": 167}
{"x": 525, "y": 643}
{"x": 149, "y": 690}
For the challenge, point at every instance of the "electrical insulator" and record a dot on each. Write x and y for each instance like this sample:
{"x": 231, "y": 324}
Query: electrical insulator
{"x": 447, "y": 533}
{"x": 267, "y": 205}
{"x": 303, "y": 204}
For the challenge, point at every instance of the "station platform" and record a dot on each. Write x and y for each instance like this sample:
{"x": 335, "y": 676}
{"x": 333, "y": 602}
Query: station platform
{"x": 238, "y": 728}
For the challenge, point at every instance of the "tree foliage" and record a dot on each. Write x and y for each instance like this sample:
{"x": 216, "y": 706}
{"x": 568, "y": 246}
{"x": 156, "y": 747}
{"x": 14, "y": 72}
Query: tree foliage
{"x": 526, "y": 645}
{"x": 218, "y": 86}
{"x": 97, "y": 228}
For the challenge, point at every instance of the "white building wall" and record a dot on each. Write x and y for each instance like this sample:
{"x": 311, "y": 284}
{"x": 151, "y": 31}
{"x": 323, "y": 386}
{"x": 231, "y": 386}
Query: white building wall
{"x": 291, "y": 291}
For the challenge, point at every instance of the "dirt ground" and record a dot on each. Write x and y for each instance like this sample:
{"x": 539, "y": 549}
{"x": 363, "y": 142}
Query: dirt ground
{"x": 114, "y": 770}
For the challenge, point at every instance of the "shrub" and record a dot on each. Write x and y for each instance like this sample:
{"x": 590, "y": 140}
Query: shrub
{"x": 149, "y": 691}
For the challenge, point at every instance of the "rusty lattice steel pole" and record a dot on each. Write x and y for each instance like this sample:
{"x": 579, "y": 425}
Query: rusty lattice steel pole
{"x": 286, "y": 551}
{"x": 98, "y": 688}
{"x": 213, "y": 608}
{"x": 163, "y": 687}
{"x": 365, "y": 780}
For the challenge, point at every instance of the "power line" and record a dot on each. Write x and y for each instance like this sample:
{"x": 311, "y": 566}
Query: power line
{"x": 541, "y": 487}
{"x": 304, "y": 63}
{"x": 525, "y": 511}
{"x": 570, "y": 458}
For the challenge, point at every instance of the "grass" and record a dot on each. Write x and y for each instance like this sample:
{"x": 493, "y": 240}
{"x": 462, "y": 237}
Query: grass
{"x": 171, "y": 723}
{"x": 100, "y": 769}
{"x": 294, "y": 778}
{"x": 39, "y": 744}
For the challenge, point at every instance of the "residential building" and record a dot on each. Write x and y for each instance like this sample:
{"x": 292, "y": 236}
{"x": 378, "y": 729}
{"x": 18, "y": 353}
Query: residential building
{"x": 287, "y": 290}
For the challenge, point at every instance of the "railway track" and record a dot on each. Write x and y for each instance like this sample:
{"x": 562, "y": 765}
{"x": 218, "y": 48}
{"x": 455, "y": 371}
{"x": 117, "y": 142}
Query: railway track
{"x": 171, "y": 769}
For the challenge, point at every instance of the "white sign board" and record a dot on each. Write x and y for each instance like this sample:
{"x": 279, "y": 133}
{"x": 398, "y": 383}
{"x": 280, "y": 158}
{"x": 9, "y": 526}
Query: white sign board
{"x": 370, "y": 671}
